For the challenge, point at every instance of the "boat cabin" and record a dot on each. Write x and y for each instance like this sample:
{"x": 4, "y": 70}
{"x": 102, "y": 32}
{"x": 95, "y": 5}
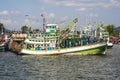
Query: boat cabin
{"x": 51, "y": 28}
{"x": 43, "y": 40}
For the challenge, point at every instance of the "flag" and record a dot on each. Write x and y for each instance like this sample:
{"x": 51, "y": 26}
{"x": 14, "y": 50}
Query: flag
{"x": 26, "y": 15}
{"x": 42, "y": 15}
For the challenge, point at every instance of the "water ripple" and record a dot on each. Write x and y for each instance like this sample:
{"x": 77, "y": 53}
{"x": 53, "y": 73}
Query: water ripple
{"x": 97, "y": 67}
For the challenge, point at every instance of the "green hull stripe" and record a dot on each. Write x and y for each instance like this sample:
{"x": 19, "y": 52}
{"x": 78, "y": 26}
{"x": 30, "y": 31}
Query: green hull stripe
{"x": 98, "y": 50}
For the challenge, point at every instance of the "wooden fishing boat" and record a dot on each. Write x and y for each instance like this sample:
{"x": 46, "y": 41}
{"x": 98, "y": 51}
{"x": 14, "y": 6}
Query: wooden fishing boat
{"x": 55, "y": 41}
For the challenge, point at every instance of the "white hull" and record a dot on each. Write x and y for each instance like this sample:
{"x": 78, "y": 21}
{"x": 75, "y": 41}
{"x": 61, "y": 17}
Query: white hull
{"x": 61, "y": 51}
{"x": 110, "y": 44}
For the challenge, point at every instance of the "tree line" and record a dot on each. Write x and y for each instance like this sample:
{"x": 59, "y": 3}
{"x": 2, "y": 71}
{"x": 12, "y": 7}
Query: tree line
{"x": 111, "y": 29}
{"x": 24, "y": 29}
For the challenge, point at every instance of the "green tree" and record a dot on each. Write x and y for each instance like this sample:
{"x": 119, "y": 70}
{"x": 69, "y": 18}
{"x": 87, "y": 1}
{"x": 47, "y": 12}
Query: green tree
{"x": 36, "y": 30}
{"x": 110, "y": 29}
{"x": 2, "y": 29}
{"x": 116, "y": 33}
{"x": 25, "y": 29}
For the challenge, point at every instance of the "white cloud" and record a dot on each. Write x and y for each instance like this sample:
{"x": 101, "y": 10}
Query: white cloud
{"x": 6, "y": 22}
{"x": 26, "y": 22}
{"x": 82, "y": 5}
{"x": 93, "y": 15}
{"x": 82, "y": 9}
{"x": 8, "y": 13}
{"x": 112, "y": 3}
{"x": 63, "y": 19}
{"x": 15, "y": 12}
{"x": 61, "y": 2}
{"x": 4, "y": 13}
{"x": 31, "y": 23}
{"x": 16, "y": 23}
{"x": 51, "y": 15}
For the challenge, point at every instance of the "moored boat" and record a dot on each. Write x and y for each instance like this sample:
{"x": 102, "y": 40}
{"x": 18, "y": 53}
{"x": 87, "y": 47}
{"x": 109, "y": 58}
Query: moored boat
{"x": 3, "y": 47}
{"x": 3, "y": 43}
{"x": 55, "y": 41}
{"x": 108, "y": 39}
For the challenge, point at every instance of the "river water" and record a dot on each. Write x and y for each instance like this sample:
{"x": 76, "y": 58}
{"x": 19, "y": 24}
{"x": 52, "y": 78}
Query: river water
{"x": 96, "y": 67}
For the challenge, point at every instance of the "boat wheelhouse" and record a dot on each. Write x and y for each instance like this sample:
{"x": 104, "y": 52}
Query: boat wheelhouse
{"x": 43, "y": 41}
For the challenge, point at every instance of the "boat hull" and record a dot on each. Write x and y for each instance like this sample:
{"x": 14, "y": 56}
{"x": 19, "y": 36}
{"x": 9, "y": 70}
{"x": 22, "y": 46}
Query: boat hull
{"x": 109, "y": 45}
{"x": 3, "y": 48}
{"x": 79, "y": 50}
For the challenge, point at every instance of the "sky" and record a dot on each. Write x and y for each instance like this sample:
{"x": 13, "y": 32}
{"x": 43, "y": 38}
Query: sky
{"x": 16, "y": 13}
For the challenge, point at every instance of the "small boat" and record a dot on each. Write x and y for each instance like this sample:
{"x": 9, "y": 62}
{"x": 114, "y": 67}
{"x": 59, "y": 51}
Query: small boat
{"x": 3, "y": 43}
{"x": 3, "y": 47}
{"x": 108, "y": 39}
{"x": 109, "y": 43}
{"x": 55, "y": 41}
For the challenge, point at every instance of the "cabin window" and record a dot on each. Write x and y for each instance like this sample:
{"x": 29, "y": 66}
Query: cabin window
{"x": 45, "y": 44}
{"x": 52, "y": 27}
{"x": 33, "y": 35}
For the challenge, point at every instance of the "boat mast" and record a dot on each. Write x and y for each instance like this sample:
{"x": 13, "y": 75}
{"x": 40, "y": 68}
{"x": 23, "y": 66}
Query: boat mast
{"x": 44, "y": 22}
